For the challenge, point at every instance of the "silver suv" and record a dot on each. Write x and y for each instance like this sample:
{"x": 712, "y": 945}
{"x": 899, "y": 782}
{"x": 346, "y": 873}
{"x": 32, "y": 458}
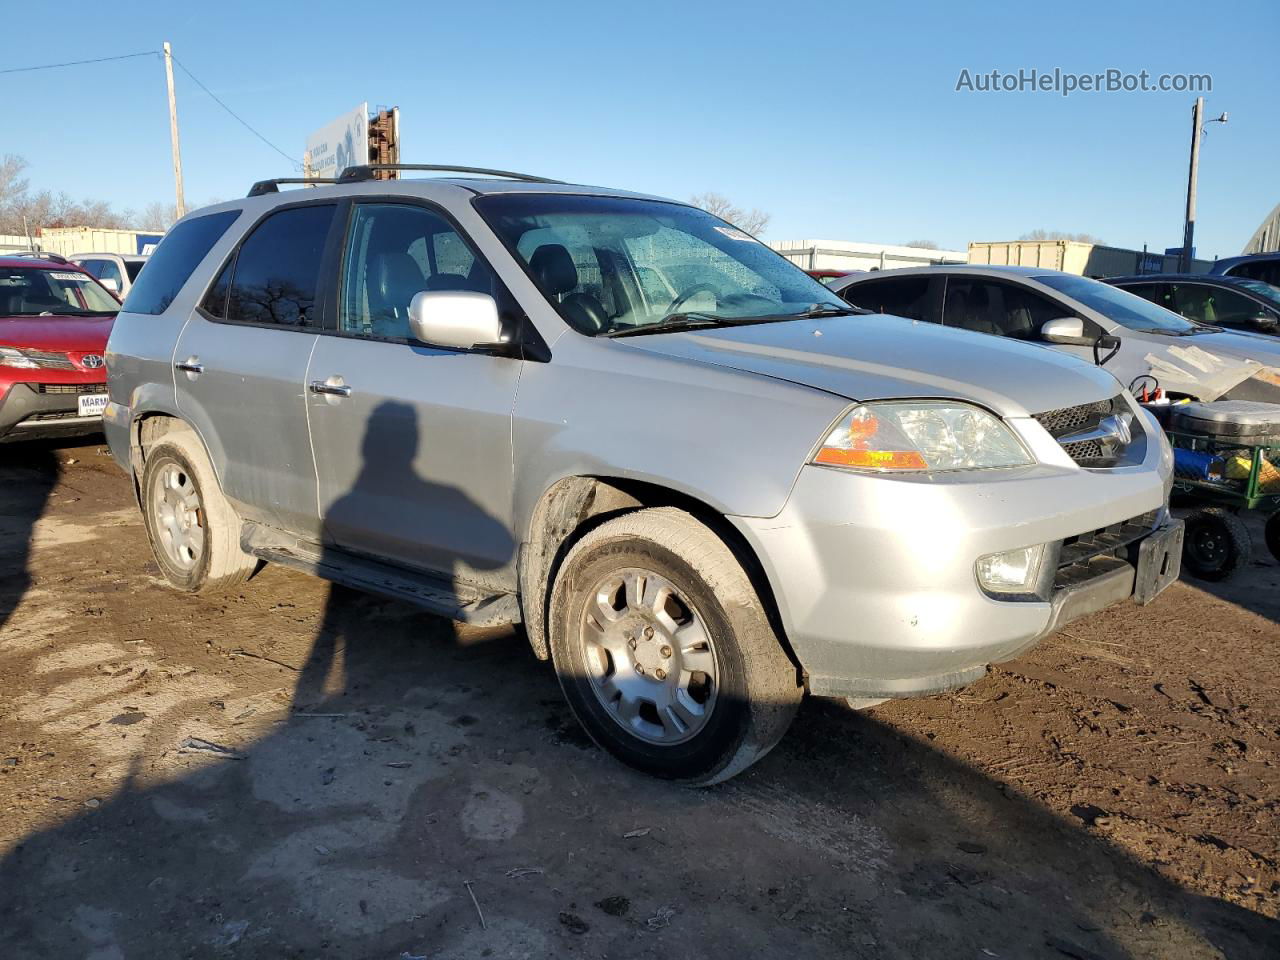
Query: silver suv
{"x": 701, "y": 485}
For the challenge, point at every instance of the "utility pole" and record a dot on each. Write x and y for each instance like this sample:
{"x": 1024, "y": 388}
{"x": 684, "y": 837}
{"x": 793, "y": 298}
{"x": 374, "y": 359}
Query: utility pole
{"x": 180, "y": 207}
{"x": 1189, "y": 227}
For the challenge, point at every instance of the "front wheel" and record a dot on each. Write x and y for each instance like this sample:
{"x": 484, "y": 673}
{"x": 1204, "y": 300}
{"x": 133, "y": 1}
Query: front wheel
{"x": 664, "y": 651}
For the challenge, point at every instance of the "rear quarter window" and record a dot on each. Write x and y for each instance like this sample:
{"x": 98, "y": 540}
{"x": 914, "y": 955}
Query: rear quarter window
{"x": 177, "y": 257}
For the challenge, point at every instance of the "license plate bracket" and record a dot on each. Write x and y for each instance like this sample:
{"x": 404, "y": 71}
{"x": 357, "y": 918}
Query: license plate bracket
{"x": 1159, "y": 561}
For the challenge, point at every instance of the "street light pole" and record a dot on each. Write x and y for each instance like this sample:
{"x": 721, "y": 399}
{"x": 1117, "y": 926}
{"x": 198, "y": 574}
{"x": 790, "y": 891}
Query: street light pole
{"x": 180, "y": 207}
{"x": 1189, "y": 226}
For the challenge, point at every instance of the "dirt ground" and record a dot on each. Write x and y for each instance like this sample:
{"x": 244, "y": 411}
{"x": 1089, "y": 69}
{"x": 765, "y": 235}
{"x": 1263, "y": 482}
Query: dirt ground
{"x": 296, "y": 771}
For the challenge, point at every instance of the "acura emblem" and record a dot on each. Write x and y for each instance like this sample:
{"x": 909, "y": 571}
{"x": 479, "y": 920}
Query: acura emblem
{"x": 91, "y": 360}
{"x": 1118, "y": 427}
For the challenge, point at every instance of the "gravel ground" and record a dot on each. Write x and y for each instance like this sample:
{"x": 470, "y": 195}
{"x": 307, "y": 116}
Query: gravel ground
{"x": 294, "y": 770}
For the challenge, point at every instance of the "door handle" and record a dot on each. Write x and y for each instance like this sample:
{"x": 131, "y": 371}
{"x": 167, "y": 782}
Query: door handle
{"x": 330, "y": 389}
{"x": 190, "y": 365}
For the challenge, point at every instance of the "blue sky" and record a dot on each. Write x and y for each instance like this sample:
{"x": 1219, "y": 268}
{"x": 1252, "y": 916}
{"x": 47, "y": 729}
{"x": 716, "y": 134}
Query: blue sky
{"x": 840, "y": 120}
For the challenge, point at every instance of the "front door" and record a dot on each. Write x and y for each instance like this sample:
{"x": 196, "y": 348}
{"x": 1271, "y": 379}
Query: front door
{"x": 242, "y": 363}
{"x": 412, "y": 443}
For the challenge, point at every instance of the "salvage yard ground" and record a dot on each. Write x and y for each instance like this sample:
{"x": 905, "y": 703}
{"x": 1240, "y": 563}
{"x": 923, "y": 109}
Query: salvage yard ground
{"x": 295, "y": 770}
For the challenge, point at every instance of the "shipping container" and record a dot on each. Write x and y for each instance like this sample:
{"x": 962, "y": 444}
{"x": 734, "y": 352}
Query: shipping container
{"x": 1075, "y": 256}
{"x": 70, "y": 240}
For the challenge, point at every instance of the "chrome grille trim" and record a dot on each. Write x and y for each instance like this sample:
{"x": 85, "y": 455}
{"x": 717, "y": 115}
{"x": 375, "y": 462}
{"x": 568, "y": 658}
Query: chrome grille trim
{"x": 50, "y": 360}
{"x": 1099, "y": 434}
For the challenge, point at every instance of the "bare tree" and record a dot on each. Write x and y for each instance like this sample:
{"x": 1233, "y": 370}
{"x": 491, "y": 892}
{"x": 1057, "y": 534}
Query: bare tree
{"x": 18, "y": 204}
{"x": 155, "y": 216}
{"x": 1043, "y": 234}
{"x": 751, "y": 221}
{"x": 922, "y": 244}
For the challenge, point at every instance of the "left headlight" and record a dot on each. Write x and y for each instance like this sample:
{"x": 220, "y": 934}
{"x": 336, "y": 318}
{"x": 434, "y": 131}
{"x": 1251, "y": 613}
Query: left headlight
{"x": 13, "y": 357}
{"x": 895, "y": 437}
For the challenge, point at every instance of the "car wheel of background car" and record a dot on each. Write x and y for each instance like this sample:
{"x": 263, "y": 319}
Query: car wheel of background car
{"x": 194, "y": 533}
{"x": 664, "y": 651}
{"x": 1272, "y": 533}
{"x": 1217, "y": 544}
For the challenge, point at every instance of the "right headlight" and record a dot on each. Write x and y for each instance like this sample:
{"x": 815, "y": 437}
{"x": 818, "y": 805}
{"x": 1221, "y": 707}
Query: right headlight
{"x": 921, "y": 435}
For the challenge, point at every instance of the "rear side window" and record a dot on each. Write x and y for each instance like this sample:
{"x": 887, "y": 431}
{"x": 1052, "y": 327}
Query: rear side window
{"x": 179, "y": 253}
{"x": 1268, "y": 271}
{"x": 902, "y": 296}
{"x": 277, "y": 272}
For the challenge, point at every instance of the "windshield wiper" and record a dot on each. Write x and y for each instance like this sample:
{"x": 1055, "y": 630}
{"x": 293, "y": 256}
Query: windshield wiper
{"x": 830, "y": 310}
{"x": 675, "y": 323}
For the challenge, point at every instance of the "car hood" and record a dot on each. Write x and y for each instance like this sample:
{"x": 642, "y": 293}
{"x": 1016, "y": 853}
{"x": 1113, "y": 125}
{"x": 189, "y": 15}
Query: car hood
{"x": 62, "y": 334}
{"x": 1237, "y": 344}
{"x": 878, "y": 357}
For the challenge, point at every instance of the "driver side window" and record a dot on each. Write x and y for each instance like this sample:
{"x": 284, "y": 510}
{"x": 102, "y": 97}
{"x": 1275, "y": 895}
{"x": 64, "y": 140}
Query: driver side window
{"x": 393, "y": 252}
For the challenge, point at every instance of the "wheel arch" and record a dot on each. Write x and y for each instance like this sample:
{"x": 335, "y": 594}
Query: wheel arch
{"x": 145, "y": 431}
{"x": 574, "y": 505}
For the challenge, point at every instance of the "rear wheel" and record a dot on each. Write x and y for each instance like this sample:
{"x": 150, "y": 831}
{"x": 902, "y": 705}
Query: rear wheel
{"x": 194, "y": 532}
{"x": 664, "y": 651}
{"x": 1217, "y": 544}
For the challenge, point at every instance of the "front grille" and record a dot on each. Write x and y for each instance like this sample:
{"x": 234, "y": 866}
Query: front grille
{"x": 53, "y": 415}
{"x": 50, "y": 360}
{"x": 1100, "y": 551}
{"x": 1074, "y": 419}
{"x": 1084, "y": 450}
{"x": 1094, "y": 434}
{"x": 72, "y": 388}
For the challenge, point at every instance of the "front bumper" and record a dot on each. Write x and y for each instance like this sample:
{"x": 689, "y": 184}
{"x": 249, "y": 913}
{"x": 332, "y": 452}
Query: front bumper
{"x": 874, "y": 576}
{"x": 27, "y": 411}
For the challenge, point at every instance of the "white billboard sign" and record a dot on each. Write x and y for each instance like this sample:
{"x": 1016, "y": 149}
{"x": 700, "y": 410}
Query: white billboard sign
{"x": 340, "y": 144}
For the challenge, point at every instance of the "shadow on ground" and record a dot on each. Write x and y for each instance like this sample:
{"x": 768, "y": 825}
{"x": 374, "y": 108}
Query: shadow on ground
{"x": 351, "y": 797}
{"x": 31, "y": 473}
{"x": 442, "y": 757}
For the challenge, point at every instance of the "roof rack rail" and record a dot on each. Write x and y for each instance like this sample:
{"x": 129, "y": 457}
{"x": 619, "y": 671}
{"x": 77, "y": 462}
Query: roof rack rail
{"x": 273, "y": 186}
{"x": 366, "y": 172}
{"x": 35, "y": 255}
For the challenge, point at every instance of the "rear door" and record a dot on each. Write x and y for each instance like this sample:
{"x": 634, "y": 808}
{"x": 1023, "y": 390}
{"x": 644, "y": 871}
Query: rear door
{"x": 241, "y": 365}
{"x": 412, "y": 442}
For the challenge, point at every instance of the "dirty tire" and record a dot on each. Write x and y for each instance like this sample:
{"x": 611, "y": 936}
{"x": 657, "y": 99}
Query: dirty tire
{"x": 1272, "y": 533}
{"x": 221, "y": 564}
{"x": 756, "y": 688}
{"x": 1217, "y": 544}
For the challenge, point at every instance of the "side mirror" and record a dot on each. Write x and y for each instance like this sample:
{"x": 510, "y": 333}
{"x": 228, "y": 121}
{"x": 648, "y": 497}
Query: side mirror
{"x": 111, "y": 283}
{"x": 1068, "y": 330}
{"x": 1264, "y": 322}
{"x": 459, "y": 319}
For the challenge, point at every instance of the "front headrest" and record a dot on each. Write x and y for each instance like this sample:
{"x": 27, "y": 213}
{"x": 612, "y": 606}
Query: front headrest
{"x": 554, "y": 269}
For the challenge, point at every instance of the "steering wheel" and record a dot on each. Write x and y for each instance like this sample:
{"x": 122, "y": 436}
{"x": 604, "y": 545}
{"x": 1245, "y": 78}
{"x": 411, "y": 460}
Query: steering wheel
{"x": 687, "y": 295}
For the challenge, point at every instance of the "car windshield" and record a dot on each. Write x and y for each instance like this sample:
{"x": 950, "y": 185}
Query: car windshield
{"x": 1260, "y": 289}
{"x": 617, "y": 266}
{"x": 41, "y": 292}
{"x": 133, "y": 268}
{"x": 1126, "y": 309}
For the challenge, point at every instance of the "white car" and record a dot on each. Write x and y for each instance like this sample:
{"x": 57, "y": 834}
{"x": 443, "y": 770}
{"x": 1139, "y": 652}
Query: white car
{"x": 115, "y": 271}
{"x": 1140, "y": 343}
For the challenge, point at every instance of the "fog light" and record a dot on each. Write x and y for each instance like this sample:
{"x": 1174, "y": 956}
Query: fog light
{"x": 1014, "y": 571}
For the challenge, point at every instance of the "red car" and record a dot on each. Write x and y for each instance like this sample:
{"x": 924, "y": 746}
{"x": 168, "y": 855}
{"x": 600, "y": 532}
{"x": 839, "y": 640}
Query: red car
{"x": 54, "y": 322}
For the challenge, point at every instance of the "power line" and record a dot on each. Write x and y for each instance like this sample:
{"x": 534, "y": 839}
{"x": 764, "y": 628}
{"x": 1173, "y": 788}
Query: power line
{"x": 242, "y": 121}
{"x": 76, "y": 63}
